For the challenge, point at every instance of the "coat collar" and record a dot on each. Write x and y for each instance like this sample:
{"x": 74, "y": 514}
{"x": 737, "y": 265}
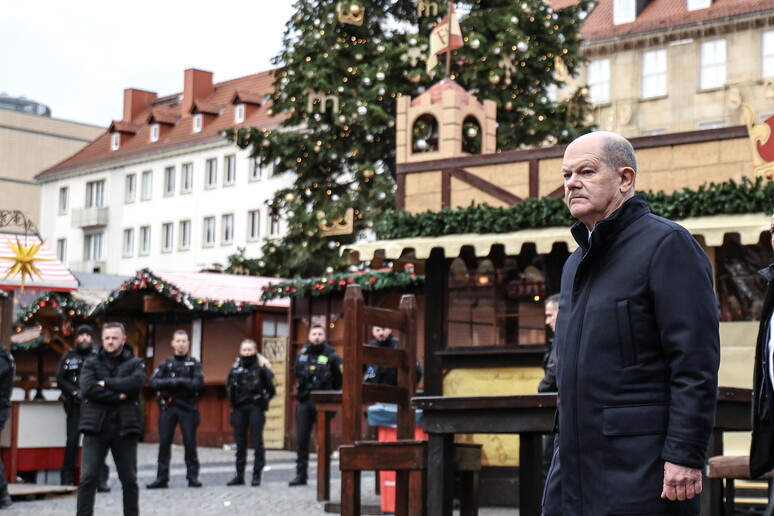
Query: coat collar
{"x": 607, "y": 228}
{"x": 767, "y": 272}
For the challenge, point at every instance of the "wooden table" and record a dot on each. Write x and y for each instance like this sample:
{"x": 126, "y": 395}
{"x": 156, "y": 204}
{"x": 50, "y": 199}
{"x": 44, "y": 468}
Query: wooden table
{"x": 328, "y": 404}
{"x": 530, "y": 416}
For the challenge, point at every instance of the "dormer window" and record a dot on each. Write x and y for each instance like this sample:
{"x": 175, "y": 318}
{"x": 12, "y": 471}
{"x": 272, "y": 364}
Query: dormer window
{"x": 154, "y": 132}
{"x": 624, "y": 11}
{"x": 115, "y": 141}
{"x": 694, "y": 5}
{"x": 198, "y": 122}
{"x": 239, "y": 113}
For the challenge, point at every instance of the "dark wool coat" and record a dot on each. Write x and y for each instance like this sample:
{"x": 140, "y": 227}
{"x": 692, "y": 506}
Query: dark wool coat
{"x": 125, "y": 374}
{"x": 762, "y": 444}
{"x": 637, "y": 353}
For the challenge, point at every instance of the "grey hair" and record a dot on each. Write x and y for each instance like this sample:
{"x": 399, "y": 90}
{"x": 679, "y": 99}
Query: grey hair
{"x": 618, "y": 153}
{"x": 553, "y": 299}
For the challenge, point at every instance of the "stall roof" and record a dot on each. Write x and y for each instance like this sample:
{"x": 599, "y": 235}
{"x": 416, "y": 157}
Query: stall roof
{"x": 26, "y": 261}
{"x": 712, "y": 230}
{"x": 221, "y": 287}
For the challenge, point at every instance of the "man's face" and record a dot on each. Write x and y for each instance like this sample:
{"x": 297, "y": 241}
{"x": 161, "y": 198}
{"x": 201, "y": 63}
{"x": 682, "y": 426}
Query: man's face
{"x": 83, "y": 340}
{"x": 246, "y": 349}
{"x": 552, "y": 310}
{"x": 316, "y": 336}
{"x": 772, "y": 232}
{"x": 113, "y": 340}
{"x": 180, "y": 344}
{"x": 592, "y": 189}
{"x": 380, "y": 333}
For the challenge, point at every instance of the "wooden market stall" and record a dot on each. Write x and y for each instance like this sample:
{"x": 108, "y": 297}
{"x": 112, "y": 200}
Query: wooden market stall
{"x": 218, "y": 311}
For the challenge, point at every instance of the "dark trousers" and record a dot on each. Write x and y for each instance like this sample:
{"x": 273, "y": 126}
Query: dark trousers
{"x": 189, "y": 421}
{"x": 243, "y": 417}
{"x": 124, "y": 451}
{"x": 306, "y": 415}
{"x": 4, "y": 415}
{"x": 70, "y": 459}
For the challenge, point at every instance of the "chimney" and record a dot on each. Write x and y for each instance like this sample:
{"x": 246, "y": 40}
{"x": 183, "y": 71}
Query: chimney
{"x": 197, "y": 86}
{"x": 135, "y": 102}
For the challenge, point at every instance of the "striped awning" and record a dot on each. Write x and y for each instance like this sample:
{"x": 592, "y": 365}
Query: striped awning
{"x": 221, "y": 287}
{"x": 25, "y": 260}
{"x": 710, "y": 231}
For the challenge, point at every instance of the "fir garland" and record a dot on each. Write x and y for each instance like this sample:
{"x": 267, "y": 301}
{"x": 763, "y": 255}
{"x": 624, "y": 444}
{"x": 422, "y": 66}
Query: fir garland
{"x": 145, "y": 280}
{"x": 730, "y": 197}
{"x": 324, "y": 285}
{"x": 65, "y": 304}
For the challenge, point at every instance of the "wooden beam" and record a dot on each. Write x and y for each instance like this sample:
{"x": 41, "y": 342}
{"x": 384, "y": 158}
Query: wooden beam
{"x": 485, "y": 186}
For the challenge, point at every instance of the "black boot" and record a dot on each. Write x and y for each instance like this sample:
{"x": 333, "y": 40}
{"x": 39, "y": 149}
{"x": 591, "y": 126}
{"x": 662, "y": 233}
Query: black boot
{"x": 300, "y": 480}
{"x": 256, "y": 479}
{"x": 194, "y": 482}
{"x": 159, "y": 483}
{"x": 238, "y": 480}
{"x": 5, "y": 499}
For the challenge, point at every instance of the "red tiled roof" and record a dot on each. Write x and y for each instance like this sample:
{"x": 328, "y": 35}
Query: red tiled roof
{"x": 123, "y": 127}
{"x": 98, "y": 152}
{"x": 209, "y": 108}
{"x": 248, "y": 97}
{"x": 659, "y": 15}
{"x": 435, "y": 92}
{"x": 163, "y": 117}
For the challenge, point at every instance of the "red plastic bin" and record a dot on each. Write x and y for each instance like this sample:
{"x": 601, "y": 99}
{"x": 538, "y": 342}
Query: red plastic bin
{"x": 387, "y": 478}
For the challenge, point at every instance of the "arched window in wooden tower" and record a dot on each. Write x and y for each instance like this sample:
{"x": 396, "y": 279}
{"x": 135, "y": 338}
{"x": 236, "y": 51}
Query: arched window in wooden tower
{"x": 424, "y": 134}
{"x": 471, "y": 135}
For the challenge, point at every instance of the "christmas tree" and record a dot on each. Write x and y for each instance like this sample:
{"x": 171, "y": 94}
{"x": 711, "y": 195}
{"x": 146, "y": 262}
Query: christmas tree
{"x": 345, "y": 62}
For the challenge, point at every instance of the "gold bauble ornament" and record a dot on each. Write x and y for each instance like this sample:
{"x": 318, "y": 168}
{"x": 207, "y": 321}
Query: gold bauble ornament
{"x": 270, "y": 111}
{"x": 494, "y": 79}
{"x": 415, "y": 78}
{"x": 472, "y": 132}
{"x": 265, "y": 144}
{"x": 508, "y": 105}
{"x": 298, "y": 19}
{"x": 290, "y": 197}
{"x": 342, "y": 119}
{"x": 584, "y": 92}
{"x": 354, "y": 9}
{"x": 368, "y": 173}
{"x": 317, "y": 148}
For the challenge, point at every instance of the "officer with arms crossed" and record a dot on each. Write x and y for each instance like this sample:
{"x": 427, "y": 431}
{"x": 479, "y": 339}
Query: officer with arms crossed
{"x": 318, "y": 368}
{"x": 250, "y": 386}
{"x": 111, "y": 382}
{"x": 68, "y": 376}
{"x": 177, "y": 382}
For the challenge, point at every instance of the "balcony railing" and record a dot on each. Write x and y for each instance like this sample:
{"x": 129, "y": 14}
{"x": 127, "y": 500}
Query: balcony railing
{"x": 90, "y": 217}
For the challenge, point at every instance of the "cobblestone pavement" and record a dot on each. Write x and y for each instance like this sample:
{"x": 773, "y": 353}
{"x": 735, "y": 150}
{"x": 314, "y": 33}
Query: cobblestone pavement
{"x": 273, "y": 497}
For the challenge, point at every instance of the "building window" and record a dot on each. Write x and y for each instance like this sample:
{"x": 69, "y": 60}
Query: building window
{"x": 147, "y": 185}
{"x": 227, "y": 222}
{"x": 167, "y": 237}
{"x": 129, "y": 242}
{"x": 187, "y": 178}
{"x": 239, "y": 113}
{"x": 212, "y": 173}
{"x": 64, "y": 200}
{"x": 130, "y": 188}
{"x": 154, "y": 132}
{"x": 253, "y": 225}
{"x": 256, "y": 172}
{"x": 274, "y": 224}
{"x": 145, "y": 240}
{"x": 115, "y": 141}
{"x": 197, "y": 123}
{"x": 169, "y": 181}
{"x": 599, "y": 81}
{"x": 185, "y": 235}
{"x": 92, "y": 250}
{"x": 767, "y": 51}
{"x": 61, "y": 249}
{"x": 624, "y": 11}
{"x": 95, "y": 194}
{"x": 209, "y": 231}
{"x": 229, "y": 164}
{"x": 713, "y": 64}
{"x": 698, "y": 4}
{"x": 654, "y": 74}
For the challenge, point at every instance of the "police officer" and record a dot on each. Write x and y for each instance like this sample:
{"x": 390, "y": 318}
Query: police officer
{"x": 317, "y": 368}
{"x": 250, "y": 386}
{"x": 7, "y": 373}
{"x": 68, "y": 376}
{"x": 384, "y": 338}
{"x": 177, "y": 382}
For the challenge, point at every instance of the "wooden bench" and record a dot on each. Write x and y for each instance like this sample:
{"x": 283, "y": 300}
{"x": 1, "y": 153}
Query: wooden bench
{"x": 731, "y": 468}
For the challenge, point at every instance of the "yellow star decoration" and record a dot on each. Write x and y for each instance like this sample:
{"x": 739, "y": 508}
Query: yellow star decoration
{"x": 24, "y": 260}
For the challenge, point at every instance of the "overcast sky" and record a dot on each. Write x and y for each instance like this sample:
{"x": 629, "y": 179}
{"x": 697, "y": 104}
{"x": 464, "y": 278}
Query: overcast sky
{"x": 78, "y": 56}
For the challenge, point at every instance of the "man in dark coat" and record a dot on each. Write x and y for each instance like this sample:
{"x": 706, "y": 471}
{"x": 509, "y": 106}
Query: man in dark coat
{"x": 68, "y": 377}
{"x": 372, "y": 373}
{"x": 637, "y": 348}
{"x": 317, "y": 368}
{"x": 762, "y": 444}
{"x": 111, "y": 382}
{"x": 177, "y": 382}
{"x": 7, "y": 373}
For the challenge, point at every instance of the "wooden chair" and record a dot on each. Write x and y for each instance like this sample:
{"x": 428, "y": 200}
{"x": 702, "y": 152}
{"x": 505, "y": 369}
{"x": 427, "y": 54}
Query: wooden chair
{"x": 731, "y": 468}
{"x": 406, "y": 456}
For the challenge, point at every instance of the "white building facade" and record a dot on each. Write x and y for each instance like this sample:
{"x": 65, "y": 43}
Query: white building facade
{"x": 163, "y": 188}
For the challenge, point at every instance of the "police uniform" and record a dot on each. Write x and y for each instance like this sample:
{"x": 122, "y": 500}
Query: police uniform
{"x": 317, "y": 368}
{"x": 382, "y": 374}
{"x": 177, "y": 382}
{"x": 249, "y": 387}
{"x": 7, "y": 373}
